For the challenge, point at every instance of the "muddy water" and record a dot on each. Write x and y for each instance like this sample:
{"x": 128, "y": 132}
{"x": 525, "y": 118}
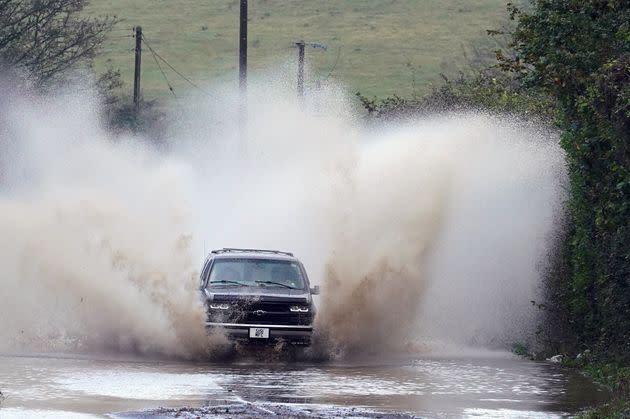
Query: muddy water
{"x": 490, "y": 386}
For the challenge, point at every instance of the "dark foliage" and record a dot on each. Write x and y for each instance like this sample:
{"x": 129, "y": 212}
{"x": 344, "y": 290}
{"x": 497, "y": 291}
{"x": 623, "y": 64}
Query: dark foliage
{"x": 579, "y": 52}
{"x": 149, "y": 121}
{"x": 49, "y": 37}
{"x": 486, "y": 89}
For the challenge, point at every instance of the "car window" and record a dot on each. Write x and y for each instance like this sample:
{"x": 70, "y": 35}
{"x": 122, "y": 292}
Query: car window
{"x": 256, "y": 273}
{"x": 204, "y": 272}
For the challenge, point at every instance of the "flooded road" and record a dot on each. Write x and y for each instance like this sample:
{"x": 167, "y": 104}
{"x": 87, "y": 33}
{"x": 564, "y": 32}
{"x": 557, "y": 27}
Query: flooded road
{"x": 497, "y": 386}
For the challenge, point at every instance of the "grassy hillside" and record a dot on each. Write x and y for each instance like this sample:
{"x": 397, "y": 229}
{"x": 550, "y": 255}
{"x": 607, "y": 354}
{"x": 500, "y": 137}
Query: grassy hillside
{"x": 384, "y": 46}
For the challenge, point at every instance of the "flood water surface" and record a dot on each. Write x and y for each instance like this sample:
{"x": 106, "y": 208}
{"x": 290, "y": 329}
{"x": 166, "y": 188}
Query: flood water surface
{"x": 500, "y": 386}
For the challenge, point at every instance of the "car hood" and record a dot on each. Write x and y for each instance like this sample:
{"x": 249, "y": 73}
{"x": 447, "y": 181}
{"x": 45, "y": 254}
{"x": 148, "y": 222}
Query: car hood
{"x": 256, "y": 293}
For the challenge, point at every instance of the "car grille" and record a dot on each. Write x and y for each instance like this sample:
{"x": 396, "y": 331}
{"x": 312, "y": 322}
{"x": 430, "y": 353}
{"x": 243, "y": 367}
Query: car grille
{"x": 258, "y": 312}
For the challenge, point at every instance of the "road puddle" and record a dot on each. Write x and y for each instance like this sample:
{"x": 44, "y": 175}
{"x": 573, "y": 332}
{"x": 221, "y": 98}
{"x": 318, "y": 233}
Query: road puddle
{"x": 500, "y": 386}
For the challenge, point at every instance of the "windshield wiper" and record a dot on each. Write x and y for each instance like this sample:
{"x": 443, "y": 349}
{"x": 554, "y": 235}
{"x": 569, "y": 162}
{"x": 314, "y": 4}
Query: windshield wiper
{"x": 223, "y": 281}
{"x": 276, "y": 283}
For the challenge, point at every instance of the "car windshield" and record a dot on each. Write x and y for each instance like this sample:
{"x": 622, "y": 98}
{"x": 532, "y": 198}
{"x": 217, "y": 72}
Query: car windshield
{"x": 253, "y": 272}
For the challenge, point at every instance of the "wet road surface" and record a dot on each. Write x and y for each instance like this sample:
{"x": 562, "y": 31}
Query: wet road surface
{"x": 497, "y": 386}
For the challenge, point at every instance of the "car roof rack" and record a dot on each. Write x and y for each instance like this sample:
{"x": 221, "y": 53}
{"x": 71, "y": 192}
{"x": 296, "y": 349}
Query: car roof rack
{"x": 236, "y": 250}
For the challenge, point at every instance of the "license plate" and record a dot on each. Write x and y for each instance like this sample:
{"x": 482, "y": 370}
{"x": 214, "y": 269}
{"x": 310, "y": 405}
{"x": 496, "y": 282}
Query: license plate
{"x": 259, "y": 332}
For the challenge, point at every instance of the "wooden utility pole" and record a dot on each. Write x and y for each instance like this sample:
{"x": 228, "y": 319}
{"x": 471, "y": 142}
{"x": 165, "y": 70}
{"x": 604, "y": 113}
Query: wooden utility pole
{"x": 242, "y": 49}
{"x": 300, "y": 77}
{"x": 242, "y": 75}
{"x": 301, "y": 46}
{"x": 136, "y": 73}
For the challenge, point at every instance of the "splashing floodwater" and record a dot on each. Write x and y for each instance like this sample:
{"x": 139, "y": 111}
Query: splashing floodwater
{"x": 445, "y": 224}
{"x": 95, "y": 252}
{"x": 432, "y": 229}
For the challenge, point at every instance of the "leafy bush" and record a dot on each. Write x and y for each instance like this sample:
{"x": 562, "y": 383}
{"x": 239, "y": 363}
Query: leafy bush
{"x": 49, "y": 37}
{"x": 486, "y": 89}
{"x": 579, "y": 52}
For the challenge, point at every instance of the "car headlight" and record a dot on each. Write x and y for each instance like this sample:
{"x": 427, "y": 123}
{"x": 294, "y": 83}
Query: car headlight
{"x": 298, "y": 309}
{"x": 219, "y": 306}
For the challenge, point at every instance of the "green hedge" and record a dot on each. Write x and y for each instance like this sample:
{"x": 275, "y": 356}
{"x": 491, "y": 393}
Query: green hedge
{"x": 579, "y": 52}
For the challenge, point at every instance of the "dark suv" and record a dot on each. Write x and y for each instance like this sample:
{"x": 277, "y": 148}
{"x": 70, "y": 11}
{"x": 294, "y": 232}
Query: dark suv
{"x": 258, "y": 295}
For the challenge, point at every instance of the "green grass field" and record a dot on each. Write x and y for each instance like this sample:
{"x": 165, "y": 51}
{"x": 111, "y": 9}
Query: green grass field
{"x": 383, "y": 47}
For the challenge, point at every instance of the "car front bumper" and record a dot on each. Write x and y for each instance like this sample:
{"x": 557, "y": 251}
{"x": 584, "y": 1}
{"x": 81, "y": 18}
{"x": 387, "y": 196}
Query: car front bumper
{"x": 296, "y": 335}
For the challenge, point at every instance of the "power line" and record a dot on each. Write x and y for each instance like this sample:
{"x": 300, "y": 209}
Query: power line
{"x": 162, "y": 71}
{"x": 170, "y": 66}
{"x": 334, "y": 65}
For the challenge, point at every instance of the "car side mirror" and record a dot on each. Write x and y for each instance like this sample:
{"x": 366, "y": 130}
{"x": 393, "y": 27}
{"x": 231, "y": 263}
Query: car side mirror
{"x": 315, "y": 290}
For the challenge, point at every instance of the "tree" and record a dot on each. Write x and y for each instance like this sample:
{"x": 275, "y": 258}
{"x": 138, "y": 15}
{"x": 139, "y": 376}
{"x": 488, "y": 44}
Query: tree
{"x": 49, "y": 37}
{"x": 579, "y": 52}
